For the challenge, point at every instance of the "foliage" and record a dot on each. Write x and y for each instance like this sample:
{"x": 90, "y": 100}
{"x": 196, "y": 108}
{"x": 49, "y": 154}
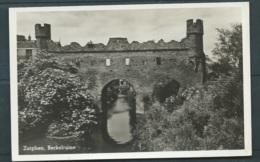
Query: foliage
{"x": 208, "y": 120}
{"x": 228, "y": 51}
{"x": 91, "y": 76}
{"x": 50, "y": 93}
{"x": 173, "y": 102}
{"x": 202, "y": 117}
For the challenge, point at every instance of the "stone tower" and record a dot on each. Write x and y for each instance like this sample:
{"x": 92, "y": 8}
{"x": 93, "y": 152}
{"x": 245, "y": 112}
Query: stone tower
{"x": 195, "y": 36}
{"x": 42, "y": 35}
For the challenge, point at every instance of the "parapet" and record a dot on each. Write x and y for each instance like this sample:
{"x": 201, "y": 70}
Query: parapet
{"x": 194, "y": 27}
{"x": 122, "y": 44}
{"x": 43, "y": 32}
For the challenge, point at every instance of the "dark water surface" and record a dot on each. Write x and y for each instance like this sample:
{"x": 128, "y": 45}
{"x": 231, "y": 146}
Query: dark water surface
{"x": 118, "y": 122}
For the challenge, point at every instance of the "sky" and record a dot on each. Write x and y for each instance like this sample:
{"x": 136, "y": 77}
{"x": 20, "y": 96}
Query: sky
{"x": 135, "y": 25}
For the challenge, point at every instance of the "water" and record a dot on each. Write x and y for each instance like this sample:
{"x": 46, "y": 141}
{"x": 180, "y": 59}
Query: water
{"x": 119, "y": 121}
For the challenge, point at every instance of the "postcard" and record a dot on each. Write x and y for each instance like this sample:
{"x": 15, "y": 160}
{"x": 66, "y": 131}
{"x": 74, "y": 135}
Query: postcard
{"x": 130, "y": 81}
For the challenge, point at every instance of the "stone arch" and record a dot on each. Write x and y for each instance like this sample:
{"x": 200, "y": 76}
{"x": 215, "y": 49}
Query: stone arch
{"x": 103, "y": 85}
{"x": 106, "y": 111}
{"x": 164, "y": 88}
{"x": 114, "y": 81}
{"x": 191, "y": 63}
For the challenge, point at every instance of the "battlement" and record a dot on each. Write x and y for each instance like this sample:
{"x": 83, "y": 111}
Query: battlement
{"x": 43, "y": 32}
{"x": 193, "y": 41}
{"x": 194, "y": 27}
{"x": 122, "y": 44}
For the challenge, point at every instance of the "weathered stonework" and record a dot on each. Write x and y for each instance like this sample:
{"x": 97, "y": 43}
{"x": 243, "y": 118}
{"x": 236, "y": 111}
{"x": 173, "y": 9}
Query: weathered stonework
{"x": 149, "y": 62}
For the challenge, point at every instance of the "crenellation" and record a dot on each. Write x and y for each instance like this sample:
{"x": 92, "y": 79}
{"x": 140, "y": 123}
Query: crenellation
{"x": 42, "y": 35}
{"x": 43, "y": 31}
{"x": 194, "y": 27}
{"x": 122, "y": 44}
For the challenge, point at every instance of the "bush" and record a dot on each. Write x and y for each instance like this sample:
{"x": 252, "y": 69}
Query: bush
{"x": 198, "y": 118}
{"x": 50, "y": 92}
{"x": 159, "y": 131}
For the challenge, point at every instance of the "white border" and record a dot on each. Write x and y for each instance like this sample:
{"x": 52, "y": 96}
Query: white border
{"x": 135, "y": 155}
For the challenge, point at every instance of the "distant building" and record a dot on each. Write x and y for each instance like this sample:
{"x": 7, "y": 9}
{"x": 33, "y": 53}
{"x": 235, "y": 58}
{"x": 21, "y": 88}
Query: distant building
{"x": 26, "y": 48}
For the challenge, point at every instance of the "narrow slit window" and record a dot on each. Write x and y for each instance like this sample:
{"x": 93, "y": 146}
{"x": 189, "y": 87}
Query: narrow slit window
{"x": 158, "y": 60}
{"x": 108, "y": 63}
{"x": 127, "y": 61}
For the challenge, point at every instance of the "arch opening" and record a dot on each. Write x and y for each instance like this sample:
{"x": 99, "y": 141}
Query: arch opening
{"x": 191, "y": 64}
{"x": 164, "y": 89}
{"x": 118, "y": 111}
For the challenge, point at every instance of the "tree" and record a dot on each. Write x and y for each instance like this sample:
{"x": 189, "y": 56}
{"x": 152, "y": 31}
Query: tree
{"x": 202, "y": 117}
{"x": 228, "y": 51}
{"x": 52, "y": 97}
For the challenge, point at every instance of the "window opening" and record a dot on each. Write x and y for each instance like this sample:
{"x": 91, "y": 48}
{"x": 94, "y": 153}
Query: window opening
{"x": 127, "y": 61}
{"x": 158, "y": 60}
{"x": 108, "y": 63}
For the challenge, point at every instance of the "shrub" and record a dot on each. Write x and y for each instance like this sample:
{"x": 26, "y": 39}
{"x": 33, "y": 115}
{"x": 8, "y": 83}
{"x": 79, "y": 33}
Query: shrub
{"x": 50, "y": 92}
{"x": 204, "y": 118}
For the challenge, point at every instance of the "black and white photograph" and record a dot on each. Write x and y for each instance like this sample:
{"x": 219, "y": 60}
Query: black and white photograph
{"x": 130, "y": 81}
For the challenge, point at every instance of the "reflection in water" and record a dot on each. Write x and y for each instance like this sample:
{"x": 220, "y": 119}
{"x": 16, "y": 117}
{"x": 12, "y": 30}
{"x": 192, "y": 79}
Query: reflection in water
{"x": 118, "y": 115}
{"x": 118, "y": 121}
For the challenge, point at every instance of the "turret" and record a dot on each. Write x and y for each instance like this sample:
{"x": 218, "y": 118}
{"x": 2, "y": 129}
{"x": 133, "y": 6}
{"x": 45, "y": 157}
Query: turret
{"x": 195, "y": 27}
{"x": 195, "y": 36}
{"x": 43, "y": 32}
{"x": 42, "y": 35}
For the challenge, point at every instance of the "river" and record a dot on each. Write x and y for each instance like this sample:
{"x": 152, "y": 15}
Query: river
{"x": 118, "y": 121}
